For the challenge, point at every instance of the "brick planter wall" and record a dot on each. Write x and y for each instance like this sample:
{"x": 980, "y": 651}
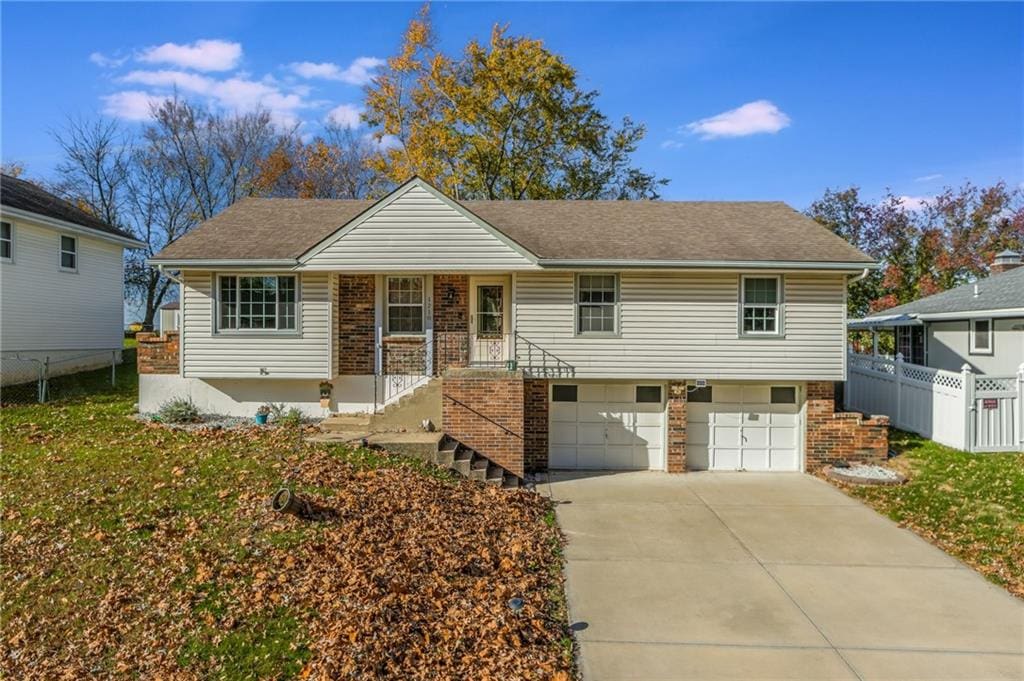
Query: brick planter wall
{"x": 451, "y": 320}
{"x": 484, "y": 410}
{"x": 157, "y": 354}
{"x": 841, "y": 436}
{"x": 356, "y": 336}
{"x": 535, "y": 424}
{"x": 676, "y": 450}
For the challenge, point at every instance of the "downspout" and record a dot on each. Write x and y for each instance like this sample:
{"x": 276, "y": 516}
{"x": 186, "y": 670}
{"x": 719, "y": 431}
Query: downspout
{"x": 860, "y": 277}
{"x": 160, "y": 269}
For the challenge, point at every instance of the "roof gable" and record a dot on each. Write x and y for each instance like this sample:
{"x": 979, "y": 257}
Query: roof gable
{"x": 416, "y": 227}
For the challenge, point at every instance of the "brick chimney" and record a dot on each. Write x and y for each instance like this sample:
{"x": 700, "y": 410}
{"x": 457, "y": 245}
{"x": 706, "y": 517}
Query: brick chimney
{"x": 1005, "y": 261}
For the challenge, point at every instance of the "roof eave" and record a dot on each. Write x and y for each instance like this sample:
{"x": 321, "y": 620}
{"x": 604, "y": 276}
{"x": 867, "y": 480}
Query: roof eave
{"x": 710, "y": 264}
{"x": 56, "y": 223}
{"x": 230, "y": 263}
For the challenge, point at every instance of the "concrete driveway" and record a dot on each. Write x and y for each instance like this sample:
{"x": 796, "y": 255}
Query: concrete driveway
{"x": 768, "y": 576}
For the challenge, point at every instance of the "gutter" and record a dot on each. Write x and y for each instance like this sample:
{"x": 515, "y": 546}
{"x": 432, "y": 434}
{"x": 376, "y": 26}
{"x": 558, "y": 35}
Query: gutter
{"x": 711, "y": 264}
{"x": 71, "y": 227}
{"x": 234, "y": 262}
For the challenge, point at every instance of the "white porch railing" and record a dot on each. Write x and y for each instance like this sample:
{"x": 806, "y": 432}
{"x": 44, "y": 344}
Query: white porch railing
{"x": 963, "y": 410}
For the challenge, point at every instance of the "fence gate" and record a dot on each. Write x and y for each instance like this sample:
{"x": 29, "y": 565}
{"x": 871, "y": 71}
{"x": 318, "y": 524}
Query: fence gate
{"x": 995, "y": 420}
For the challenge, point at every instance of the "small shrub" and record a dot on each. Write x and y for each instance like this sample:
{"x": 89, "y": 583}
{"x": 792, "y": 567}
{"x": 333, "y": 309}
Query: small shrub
{"x": 292, "y": 417}
{"x": 179, "y": 410}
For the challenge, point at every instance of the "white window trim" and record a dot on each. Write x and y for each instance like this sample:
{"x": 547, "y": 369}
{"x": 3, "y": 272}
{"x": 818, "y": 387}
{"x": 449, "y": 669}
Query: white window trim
{"x": 388, "y": 304}
{"x": 577, "y": 304}
{"x": 61, "y": 252}
{"x": 11, "y": 258}
{"x": 972, "y": 347}
{"x": 779, "y": 306}
{"x": 257, "y": 332}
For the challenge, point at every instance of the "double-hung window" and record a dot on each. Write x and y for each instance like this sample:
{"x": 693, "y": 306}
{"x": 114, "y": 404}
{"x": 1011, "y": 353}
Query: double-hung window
{"x": 761, "y": 306}
{"x": 266, "y": 303}
{"x": 981, "y": 337}
{"x": 597, "y": 302}
{"x": 68, "y": 253}
{"x": 405, "y": 305}
{"x": 6, "y": 241}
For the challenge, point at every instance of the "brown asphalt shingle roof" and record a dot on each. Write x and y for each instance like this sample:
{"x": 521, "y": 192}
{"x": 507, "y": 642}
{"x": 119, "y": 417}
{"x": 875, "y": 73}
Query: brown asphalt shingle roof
{"x": 578, "y": 230}
{"x": 23, "y": 195}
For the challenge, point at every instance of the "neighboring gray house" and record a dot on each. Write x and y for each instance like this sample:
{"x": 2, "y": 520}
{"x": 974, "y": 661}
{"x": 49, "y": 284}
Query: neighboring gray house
{"x": 61, "y": 284}
{"x": 586, "y": 326}
{"x": 980, "y": 324}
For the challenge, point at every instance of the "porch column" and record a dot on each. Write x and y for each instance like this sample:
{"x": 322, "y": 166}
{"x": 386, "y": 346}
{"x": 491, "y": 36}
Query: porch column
{"x": 874, "y": 341}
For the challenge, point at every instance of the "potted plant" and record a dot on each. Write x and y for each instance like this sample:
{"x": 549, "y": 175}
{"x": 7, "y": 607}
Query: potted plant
{"x": 325, "y": 394}
{"x": 262, "y": 414}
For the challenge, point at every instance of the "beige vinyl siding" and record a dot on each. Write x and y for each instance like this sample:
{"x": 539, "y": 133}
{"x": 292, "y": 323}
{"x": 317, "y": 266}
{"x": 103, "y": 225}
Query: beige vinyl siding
{"x": 418, "y": 232}
{"x": 685, "y": 325}
{"x": 949, "y": 343}
{"x": 45, "y": 308}
{"x": 285, "y": 354}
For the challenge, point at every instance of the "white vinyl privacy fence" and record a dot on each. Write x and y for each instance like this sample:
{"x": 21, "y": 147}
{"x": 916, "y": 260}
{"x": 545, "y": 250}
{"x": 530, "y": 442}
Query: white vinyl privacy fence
{"x": 976, "y": 413}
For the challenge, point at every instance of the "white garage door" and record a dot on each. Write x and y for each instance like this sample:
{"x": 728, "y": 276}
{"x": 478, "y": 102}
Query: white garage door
{"x": 605, "y": 426}
{"x": 743, "y": 427}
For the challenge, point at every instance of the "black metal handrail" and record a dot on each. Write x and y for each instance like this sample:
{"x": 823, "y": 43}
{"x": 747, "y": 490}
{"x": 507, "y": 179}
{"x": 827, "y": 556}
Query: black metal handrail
{"x": 538, "y": 362}
{"x": 401, "y": 364}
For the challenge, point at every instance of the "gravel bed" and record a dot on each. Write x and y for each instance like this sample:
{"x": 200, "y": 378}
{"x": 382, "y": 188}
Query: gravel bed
{"x": 212, "y": 422}
{"x": 866, "y": 475}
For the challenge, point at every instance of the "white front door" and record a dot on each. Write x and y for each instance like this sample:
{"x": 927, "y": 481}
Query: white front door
{"x": 489, "y": 320}
{"x": 731, "y": 427}
{"x": 606, "y": 426}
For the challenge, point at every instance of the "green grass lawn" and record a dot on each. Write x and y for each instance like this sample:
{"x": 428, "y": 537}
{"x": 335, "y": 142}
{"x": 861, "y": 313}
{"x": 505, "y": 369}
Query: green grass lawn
{"x": 131, "y": 550}
{"x": 969, "y": 505}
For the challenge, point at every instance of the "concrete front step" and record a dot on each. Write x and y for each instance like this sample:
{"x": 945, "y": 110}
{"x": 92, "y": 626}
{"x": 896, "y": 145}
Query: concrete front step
{"x": 346, "y": 423}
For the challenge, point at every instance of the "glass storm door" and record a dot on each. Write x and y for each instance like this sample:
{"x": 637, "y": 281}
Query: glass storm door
{"x": 488, "y": 324}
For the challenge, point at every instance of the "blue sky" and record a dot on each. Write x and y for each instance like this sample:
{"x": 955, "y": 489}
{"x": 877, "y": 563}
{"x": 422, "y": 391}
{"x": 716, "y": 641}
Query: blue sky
{"x": 741, "y": 101}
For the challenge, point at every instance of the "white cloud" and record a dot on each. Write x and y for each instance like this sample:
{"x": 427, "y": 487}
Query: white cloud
{"x": 189, "y": 82}
{"x": 202, "y": 55}
{"x": 103, "y": 61}
{"x": 131, "y": 105}
{"x": 928, "y": 178}
{"x": 672, "y": 144}
{"x": 232, "y": 94}
{"x": 359, "y": 72}
{"x": 344, "y": 115}
{"x": 915, "y": 203}
{"x": 383, "y": 142}
{"x": 750, "y": 119}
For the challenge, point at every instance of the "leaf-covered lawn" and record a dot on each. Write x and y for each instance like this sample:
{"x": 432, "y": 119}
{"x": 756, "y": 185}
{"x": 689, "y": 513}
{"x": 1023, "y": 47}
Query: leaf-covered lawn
{"x": 969, "y": 505}
{"x": 130, "y": 550}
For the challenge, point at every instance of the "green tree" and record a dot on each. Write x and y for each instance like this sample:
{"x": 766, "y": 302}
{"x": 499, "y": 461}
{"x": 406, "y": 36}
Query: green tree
{"x": 503, "y": 120}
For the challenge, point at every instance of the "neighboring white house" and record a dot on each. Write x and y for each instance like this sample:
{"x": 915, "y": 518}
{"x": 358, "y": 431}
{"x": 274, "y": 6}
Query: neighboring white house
{"x": 610, "y": 313}
{"x": 170, "y": 317}
{"x": 980, "y": 324}
{"x": 61, "y": 284}
{"x": 958, "y": 374}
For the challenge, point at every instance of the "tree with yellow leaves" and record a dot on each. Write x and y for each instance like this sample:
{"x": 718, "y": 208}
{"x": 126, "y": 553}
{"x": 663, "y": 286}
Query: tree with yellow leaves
{"x": 505, "y": 120}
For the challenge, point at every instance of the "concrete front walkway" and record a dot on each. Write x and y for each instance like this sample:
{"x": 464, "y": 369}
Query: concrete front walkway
{"x": 768, "y": 576}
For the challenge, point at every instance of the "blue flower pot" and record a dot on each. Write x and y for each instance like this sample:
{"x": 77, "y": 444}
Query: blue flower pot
{"x": 261, "y": 419}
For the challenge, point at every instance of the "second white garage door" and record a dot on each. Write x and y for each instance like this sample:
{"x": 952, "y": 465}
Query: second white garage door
{"x": 743, "y": 427}
{"x": 607, "y": 426}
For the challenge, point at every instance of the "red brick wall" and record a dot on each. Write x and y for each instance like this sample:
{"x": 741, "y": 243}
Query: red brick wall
{"x": 405, "y": 355}
{"x": 451, "y": 320}
{"x": 484, "y": 410}
{"x": 356, "y": 332}
{"x": 676, "y": 450}
{"x": 157, "y": 354}
{"x": 535, "y": 424}
{"x": 841, "y": 436}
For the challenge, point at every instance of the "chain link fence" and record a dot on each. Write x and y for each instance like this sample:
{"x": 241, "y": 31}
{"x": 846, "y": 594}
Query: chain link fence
{"x": 38, "y": 379}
